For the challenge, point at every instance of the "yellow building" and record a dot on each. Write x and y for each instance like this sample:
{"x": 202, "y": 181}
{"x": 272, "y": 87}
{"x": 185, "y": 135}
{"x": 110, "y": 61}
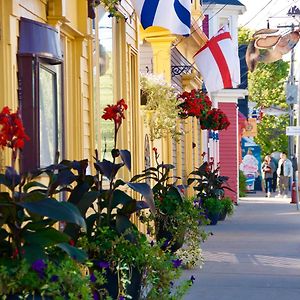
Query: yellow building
{"x": 62, "y": 68}
{"x": 172, "y": 56}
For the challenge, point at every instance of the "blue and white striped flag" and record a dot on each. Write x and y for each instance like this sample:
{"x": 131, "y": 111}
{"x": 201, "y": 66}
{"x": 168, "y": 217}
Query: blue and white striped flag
{"x": 174, "y": 15}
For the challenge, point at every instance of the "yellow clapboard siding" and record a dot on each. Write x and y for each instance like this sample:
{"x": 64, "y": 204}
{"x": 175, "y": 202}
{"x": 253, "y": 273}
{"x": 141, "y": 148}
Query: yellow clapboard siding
{"x": 33, "y": 9}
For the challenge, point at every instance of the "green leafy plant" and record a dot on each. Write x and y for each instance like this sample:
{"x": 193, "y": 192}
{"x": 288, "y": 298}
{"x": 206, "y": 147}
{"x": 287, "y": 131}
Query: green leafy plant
{"x": 242, "y": 184}
{"x": 227, "y": 206}
{"x": 29, "y": 211}
{"x": 107, "y": 205}
{"x": 212, "y": 205}
{"x": 207, "y": 181}
{"x": 110, "y": 5}
{"x": 176, "y": 216}
{"x": 194, "y": 216}
{"x": 56, "y": 278}
{"x": 161, "y": 107}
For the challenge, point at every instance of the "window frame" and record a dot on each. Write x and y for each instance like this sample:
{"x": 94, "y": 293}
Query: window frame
{"x": 29, "y": 104}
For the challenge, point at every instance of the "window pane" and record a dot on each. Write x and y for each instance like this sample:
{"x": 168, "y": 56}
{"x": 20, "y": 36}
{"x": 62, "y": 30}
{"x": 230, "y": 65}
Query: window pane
{"x": 48, "y": 116}
{"x": 103, "y": 70}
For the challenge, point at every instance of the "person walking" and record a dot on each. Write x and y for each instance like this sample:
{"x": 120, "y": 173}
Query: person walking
{"x": 274, "y": 179}
{"x": 284, "y": 173}
{"x": 267, "y": 169}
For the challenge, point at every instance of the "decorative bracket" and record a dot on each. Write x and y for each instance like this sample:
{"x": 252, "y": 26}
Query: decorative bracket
{"x": 177, "y": 70}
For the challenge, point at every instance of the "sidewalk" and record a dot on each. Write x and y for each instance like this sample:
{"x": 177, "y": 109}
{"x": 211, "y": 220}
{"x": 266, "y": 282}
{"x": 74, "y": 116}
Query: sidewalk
{"x": 254, "y": 255}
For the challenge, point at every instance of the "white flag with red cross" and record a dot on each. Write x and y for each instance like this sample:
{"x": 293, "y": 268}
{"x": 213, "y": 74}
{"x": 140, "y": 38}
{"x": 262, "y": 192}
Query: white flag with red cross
{"x": 218, "y": 62}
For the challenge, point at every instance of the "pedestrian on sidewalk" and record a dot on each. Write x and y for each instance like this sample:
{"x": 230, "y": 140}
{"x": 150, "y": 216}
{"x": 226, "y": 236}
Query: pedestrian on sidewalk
{"x": 285, "y": 173}
{"x": 267, "y": 169}
{"x": 274, "y": 179}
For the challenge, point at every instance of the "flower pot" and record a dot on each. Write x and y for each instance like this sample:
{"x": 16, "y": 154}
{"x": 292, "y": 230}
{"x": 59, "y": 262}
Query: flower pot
{"x": 222, "y": 215}
{"x": 213, "y": 217}
{"x": 133, "y": 289}
{"x": 171, "y": 243}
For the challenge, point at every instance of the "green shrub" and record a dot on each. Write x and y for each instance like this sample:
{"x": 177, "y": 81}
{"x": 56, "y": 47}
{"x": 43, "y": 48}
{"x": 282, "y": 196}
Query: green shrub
{"x": 242, "y": 184}
{"x": 228, "y": 206}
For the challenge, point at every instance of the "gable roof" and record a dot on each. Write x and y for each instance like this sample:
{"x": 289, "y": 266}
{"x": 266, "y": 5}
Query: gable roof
{"x": 227, "y": 2}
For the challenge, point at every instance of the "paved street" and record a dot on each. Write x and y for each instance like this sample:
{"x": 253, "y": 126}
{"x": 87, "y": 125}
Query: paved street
{"x": 254, "y": 255}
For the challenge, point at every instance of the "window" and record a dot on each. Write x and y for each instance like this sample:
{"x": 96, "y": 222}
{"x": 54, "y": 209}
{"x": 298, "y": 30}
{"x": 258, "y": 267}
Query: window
{"x": 40, "y": 93}
{"x": 103, "y": 61}
{"x": 50, "y": 117}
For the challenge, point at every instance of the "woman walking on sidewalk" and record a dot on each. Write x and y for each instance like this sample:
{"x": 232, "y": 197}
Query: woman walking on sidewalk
{"x": 268, "y": 168}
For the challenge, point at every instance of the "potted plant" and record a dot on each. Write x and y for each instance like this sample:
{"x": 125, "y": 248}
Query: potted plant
{"x": 161, "y": 107}
{"x": 55, "y": 278}
{"x": 174, "y": 212}
{"x": 213, "y": 208}
{"x": 195, "y": 103}
{"x": 215, "y": 119}
{"x": 107, "y": 205}
{"x": 207, "y": 181}
{"x": 193, "y": 214}
{"x": 131, "y": 266}
{"x": 29, "y": 212}
{"x": 227, "y": 208}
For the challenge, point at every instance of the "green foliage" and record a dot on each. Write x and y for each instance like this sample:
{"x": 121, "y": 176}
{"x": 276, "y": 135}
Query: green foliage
{"x": 266, "y": 84}
{"x": 59, "y": 279}
{"x": 271, "y": 134}
{"x": 266, "y": 88}
{"x": 28, "y": 211}
{"x": 176, "y": 216}
{"x": 242, "y": 184}
{"x": 110, "y": 5}
{"x": 212, "y": 205}
{"x": 244, "y": 35}
{"x": 161, "y": 107}
{"x": 192, "y": 214}
{"x": 227, "y": 206}
{"x": 207, "y": 181}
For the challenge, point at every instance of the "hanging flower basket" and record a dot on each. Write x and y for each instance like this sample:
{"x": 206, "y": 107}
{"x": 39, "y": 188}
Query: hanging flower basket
{"x": 215, "y": 119}
{"x": 161, "y": 106}
{"x": 194, "y": 104}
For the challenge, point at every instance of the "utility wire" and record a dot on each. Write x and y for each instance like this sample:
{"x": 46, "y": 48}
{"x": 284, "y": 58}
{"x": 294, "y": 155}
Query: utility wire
{"x": 257, "y": 14}
{"x": 283, "y": 9}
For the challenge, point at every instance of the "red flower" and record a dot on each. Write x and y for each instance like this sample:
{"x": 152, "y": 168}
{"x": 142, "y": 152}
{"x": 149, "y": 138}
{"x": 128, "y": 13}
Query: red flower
{"x": 194, "y": 104}
{"x": 12, "y": 133}
{"x": 71, "y": 242}
{"x": 154, "y": 149}
{"x": 115, "y": 112}
{"x": 215, "y": 119}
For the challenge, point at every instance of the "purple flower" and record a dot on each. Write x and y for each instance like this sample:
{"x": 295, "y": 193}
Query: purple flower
{"x": 39, "y": 266}
{"x": 96, "y": 295}
{"x": 121, "y": 298}
{"x": 166, "y": 244}
{"x": 176, "y": 262}
{"x": 192, "y": 279}
{"x": 54, "y": 278}
{"x": 171, "y": 283}
{"x": 103, "y": 264}
{"x": 93, "y": 277}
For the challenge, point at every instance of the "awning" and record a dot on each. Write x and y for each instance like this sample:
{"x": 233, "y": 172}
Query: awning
{"x": 39, "y": 39}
